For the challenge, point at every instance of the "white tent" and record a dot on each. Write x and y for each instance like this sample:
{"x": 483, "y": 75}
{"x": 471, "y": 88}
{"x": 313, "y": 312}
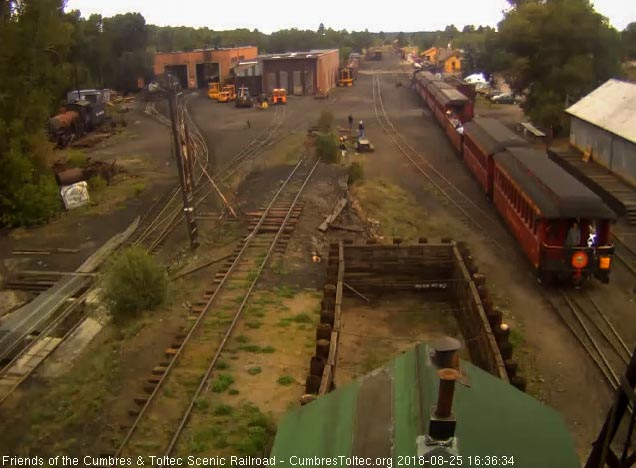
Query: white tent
{"x": 475, "y": 78}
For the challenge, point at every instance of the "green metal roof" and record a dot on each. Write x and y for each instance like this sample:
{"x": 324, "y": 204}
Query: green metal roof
{"x": 382, "y": 414}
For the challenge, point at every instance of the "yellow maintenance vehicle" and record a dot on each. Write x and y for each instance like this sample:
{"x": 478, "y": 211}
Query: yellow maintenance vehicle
{"x": 279, "y": 96}
{"x": 345, "y": 77}
{"x": 213, "y": 90}
{"x": 227, "y": 94}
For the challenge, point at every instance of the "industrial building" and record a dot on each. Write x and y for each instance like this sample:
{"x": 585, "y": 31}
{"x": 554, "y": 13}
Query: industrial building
{"x": 197, "y": 68}
{"x": 603, "y": 127}
{"x": 300, "y": 73}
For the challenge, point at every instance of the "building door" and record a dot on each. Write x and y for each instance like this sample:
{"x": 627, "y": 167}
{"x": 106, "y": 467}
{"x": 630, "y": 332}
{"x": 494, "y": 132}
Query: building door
{"x": 298, "y": 83}
{"x": 308, "y": 85}
{"x": 180, "y": 72}
{"x": 283, "y": 77}
{"x": 271, "y": 82}
{"x": 206, "y": 73}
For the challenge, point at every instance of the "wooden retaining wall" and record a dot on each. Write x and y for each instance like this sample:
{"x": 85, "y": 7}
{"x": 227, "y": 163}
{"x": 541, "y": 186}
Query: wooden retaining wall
{"x": 446, "y": 268}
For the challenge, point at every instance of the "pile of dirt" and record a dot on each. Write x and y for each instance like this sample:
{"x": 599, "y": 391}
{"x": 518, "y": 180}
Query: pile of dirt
{"x": 66, "y": 175}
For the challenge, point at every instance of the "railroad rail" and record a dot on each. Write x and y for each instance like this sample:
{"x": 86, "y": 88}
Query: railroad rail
{"x": 191, "y": 361}
{"x": 593, "y": 330}
{"x": 624, "y": 253}
{"x": 470, "y": 211}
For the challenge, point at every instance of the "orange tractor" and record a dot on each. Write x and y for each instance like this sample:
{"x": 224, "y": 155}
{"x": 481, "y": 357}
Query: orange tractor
{"x": 213, "y": 90}
{"x": 279, "y": 96}
{"x": 345, "y": 77}
{"x": 227, "y": 94}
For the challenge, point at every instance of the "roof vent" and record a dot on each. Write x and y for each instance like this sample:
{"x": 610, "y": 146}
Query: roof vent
{"x": 445, "y": 353}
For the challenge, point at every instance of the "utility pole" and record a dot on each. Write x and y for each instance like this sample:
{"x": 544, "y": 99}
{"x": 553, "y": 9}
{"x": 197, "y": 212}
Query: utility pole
{"x": 179, "y": 140}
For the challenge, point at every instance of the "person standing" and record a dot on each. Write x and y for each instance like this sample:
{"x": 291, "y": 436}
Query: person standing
{"x": 573, "y": 237}
{"x": 350, "y": 122}
{"x": 361, "y": 129}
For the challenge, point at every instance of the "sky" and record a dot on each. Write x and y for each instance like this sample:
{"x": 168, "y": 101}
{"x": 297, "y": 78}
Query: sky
{"x": 268, "y": 16}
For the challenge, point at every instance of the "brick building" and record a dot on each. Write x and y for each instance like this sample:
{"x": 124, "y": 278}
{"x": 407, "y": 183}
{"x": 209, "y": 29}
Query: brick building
{"x": 195, "y": 69}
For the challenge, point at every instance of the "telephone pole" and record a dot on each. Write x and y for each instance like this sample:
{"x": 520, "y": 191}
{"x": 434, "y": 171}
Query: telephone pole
{"x": 179, "y": 141}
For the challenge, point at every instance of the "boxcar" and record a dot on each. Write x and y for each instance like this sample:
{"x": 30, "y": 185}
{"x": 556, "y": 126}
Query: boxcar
{"x": 484, "y": 137}
{"x": 540, "y": 202}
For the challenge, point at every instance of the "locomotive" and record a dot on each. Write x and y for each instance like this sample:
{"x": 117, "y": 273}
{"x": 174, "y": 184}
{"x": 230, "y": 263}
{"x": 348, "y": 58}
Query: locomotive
{"x": 539, "y": 201}
{"x": 76, "y": 118}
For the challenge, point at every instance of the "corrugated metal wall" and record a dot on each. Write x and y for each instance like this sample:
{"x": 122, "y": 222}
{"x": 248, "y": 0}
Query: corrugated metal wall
{"x": 611, "y": 151}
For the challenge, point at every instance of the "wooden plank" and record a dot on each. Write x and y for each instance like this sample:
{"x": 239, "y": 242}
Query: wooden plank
{"x": 325, "y": 382}
{"x": 333, "y": 349}
{"x": 341, "y": 227}
{"x": 342, "y": 202}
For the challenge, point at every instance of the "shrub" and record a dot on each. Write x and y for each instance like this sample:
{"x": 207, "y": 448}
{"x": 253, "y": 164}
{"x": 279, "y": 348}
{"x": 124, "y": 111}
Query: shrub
{"x": 285, "y": 380}
{"x": 327, "y": 148}
{"x": 302, "y": 318}
{"x": 233, "y": 391}
{"x": 325, "y": 120}
{"x": 76, "y": 158}
{"x": 134, "y": 282}
{"x": 222, "y": 382}
{"x": 222, "y": 410}
{"x": 138, "y": 188}
{"x": 254, "y": 370}
{"x": 355, "y": 172}
{"x": 96, "y": 183}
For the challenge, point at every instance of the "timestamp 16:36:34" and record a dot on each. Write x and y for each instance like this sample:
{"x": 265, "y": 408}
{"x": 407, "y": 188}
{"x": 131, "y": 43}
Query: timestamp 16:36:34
{"x": 456, "y": 460}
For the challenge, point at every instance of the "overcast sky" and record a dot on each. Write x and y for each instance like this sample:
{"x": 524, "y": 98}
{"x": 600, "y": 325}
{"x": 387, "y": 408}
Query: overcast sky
{"x": 268, "y": 16}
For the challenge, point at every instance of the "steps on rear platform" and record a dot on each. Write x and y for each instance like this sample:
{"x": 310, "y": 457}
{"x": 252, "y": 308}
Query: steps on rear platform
{"x": 617, "y": 193}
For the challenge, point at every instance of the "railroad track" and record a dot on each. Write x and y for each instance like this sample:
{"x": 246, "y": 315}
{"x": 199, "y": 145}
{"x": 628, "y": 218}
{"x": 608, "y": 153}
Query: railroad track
{"x": 624, "y": 253}
{"x": 593, "y": 330}
{"x": 471, "y": 213}
{"x": 177, "y": 384}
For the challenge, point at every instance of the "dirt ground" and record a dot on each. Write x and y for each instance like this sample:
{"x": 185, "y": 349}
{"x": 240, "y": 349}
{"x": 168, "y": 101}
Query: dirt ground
{"x": 389, "y": 325}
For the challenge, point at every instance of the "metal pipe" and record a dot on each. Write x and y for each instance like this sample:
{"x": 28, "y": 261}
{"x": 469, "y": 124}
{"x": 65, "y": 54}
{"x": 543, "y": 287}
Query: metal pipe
{"x": 447, "y": 378}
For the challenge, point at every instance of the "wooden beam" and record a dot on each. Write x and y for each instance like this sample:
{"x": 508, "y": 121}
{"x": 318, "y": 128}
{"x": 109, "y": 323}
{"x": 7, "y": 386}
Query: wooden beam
{"x": 342, "y": 202}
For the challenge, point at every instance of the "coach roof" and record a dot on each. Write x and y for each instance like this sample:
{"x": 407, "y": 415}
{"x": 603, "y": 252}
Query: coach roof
{"x": 491, "y": 135}
{"x": 556, "y": 193}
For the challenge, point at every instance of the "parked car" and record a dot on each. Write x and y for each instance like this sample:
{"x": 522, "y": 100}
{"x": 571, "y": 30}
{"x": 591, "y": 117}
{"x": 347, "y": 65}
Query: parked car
{"x": 492, "y": 93}
{"x": 505, "y": 99}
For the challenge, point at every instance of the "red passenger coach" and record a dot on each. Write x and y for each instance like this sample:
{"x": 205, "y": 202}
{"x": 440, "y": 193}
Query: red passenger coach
{"x": 540, "y": 203}
{"x": 484, "y": 137}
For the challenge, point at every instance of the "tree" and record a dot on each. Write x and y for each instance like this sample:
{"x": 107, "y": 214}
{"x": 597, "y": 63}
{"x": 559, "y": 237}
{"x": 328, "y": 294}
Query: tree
{"x": 555, "y": 49}
{"x": 321, "y": 29}
{"x": 35, "y": 42}
{"x": 402, "y": 41}
{"x": 628, "y": 40}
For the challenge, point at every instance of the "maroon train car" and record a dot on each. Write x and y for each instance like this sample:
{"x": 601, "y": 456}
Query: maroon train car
{"x": 484, "y": 137}
{"x": 540, "y": 201}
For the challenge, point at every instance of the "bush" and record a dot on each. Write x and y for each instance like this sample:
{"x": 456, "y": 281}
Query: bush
{"x": 96, "y": 183}
{"x": 355, "y": 172}
{"x": 134, "y": 282}
{"x": 28, "y": 193}
{"x": 327, "y": 148}
{"x": 222, "y": 382}
{"x": 325, "y": 121}
{"x": 285, "y": 380}
{"x": 76, "y": 159}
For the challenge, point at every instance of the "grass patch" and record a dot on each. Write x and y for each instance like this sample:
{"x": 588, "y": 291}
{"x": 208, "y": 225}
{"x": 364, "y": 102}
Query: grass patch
{"x": 253, "y": 324}
{"x": 516, "y": 337}
{"x": 232, "y": 391}
{"x": 222, "y": 410}
{"x": 285, "y": 380}
{"x": 397, "y": 211}
{"x": 201, "y": 404}
{"x": 222, "y": 383}
{"x": 284, "y": 323}
{"x": 355, "y": 173}
{"x": 76, "y": 158}
{"x": 302, "y": 318}
{"x": 222, "y": 365}
{"x": 254, "y": 370}
{"x": 139, "y": 188}
{"x": 285, "y": 291}
{"x": 257, "y": 349}
{"x": 242, "y": 339}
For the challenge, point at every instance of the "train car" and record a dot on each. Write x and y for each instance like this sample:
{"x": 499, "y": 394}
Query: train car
{"x": 74, "y": 120}
{"x": 540, "y": 203}
{"x": 483, "y": 138}
{"x": 446, "y": 100}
